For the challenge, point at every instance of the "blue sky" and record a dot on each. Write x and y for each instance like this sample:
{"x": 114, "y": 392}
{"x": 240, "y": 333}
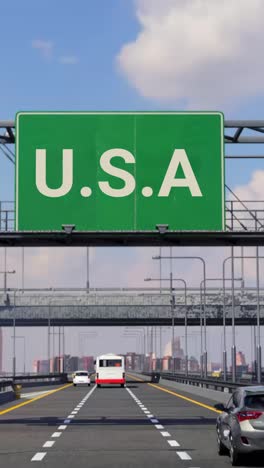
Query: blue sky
{"x": 40, "y": 37}
{"x": 59, "y": 55}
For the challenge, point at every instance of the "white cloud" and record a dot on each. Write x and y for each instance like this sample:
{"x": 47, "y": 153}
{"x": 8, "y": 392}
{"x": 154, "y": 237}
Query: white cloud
{"x": 45, "y": 47}
{"x": 254, "y": 189}
{"x": 203, "y": 53}
{"x": 69, "y": 60}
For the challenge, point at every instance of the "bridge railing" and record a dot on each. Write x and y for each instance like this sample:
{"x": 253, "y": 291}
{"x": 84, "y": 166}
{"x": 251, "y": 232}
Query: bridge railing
{"x": 214, "y": 383}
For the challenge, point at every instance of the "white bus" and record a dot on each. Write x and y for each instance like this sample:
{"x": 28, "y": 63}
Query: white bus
{"x": 110, "y": 369}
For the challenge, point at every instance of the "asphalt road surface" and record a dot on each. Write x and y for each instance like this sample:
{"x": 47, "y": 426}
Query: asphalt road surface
{"x": 137, "y": 426}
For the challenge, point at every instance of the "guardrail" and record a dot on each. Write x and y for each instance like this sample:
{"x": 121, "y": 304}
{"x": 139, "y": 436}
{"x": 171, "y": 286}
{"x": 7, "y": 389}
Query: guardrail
{"x": 214, "y": 383}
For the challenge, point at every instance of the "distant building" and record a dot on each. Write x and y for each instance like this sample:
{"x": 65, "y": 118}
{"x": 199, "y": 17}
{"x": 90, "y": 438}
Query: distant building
{"x": 240, "y": 359}
{"x": 194, "y": 364}
{"x": 178, "y": 351}
{"x": 87, "y": 363}
{"x": 72, "y": 364}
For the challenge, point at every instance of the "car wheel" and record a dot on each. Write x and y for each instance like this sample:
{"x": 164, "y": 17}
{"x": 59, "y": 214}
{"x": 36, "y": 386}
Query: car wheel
{"x": 74, "y": 384}
{"x": 89, "y": 384}
{"x": 122, "y": 385}
{"x": 98, "y": 385}
{"x": 222, "y": 450}
{"x": 234, "y": 454}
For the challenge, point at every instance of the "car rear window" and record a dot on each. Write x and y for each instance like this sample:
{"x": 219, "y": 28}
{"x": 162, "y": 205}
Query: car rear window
{"x": 110, "y": 363}
{"x": 81, "y": 374}
{"x": 255, "y": 402}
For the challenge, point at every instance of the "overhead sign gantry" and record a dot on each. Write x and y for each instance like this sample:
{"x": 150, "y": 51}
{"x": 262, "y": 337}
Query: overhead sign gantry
{"x": 148, "y": 192}
{"x": 125, "y": 171}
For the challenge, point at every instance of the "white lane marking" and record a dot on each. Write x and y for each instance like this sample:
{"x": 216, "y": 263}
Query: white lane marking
{"x": 61, "y": 428}
{"x": 184, "y": 455}
{"x": 165, "y": 434}
{"x": 74, "y": 412}
{"x": 49, "y": 443}
{"x": 173, "y": 443}
{"x": 154, "y": 421}
{"x": 159, "y": 426}
{"x": 146, "y": 412}
{"x": 38, "y": 456}
{"x": 33, "y": 394}
{"x": 150, "y": 415}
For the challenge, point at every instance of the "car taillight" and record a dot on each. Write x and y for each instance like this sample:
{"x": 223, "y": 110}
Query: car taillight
{"x": 246, "y": 415}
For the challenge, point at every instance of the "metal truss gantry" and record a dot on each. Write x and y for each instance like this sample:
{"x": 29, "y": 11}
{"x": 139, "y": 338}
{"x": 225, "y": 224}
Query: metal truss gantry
{"x": 244, "y": 223}
{"x": 117, "y": 308}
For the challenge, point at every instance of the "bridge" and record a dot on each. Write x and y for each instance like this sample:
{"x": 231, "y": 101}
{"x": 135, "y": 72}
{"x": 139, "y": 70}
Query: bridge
{"x": 117, "y": 308}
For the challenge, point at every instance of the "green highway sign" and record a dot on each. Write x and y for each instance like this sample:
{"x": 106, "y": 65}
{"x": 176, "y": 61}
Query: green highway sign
{"x": 112, "y": 171}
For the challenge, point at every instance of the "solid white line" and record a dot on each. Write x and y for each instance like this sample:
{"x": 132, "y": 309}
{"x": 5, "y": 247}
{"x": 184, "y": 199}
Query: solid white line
{"x": 159, "y": 426}
{"x": 184, "y": 456}
{"x": 38, "y": 456}
{"x": 165, "y": 434}
{"x": 173, "y": 443}
{"x": 49, "y": 443}
{"x": 61, "y": 428}
{"x": 56, "y": 434}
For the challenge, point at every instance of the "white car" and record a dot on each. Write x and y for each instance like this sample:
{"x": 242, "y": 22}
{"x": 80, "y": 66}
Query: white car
{"x": 81, "y": 377}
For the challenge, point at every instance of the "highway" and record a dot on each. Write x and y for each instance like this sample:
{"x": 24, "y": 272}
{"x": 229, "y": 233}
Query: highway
{"x": 110, "y": 427}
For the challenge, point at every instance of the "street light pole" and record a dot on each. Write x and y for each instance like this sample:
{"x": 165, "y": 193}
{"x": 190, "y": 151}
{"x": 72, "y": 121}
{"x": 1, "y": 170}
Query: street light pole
{"x": 258, "y": 320}
{"x": 203, "y": 356}
{"x": 172, "y": 300}
{"x": 87, "y": 269}
{"x": 232, "y": 257}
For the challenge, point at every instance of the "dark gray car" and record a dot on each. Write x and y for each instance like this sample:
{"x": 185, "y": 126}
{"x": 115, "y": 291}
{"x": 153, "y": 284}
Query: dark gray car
{"x": 240, "y": 427}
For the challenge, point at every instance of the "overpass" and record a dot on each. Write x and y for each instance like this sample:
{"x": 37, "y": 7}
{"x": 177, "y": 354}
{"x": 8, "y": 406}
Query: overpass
{"x": 117, "y": 308}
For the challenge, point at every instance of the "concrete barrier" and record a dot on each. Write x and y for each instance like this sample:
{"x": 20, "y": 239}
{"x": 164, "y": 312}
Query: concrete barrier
{"x": 7, "y": 395}
{"x": 214, "y": 395}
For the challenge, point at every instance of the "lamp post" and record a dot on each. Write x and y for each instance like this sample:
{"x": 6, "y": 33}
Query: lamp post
{"x": 14, "y": 334}
{"x": 218, "y": 279}
{"x": 5, "y": 273}
{"x": 171, "y": 279}
{"x": 24, "y": 350}
{"x": 139, "y": 330}
{"x": 203, "y": 354}
{"x": 232, "y": 257}
{"x": 87, "y": 269}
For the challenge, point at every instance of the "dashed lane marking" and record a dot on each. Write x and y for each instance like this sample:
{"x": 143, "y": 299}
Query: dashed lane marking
{"x": 39, "y": 456}
{"x": 48, "y": 444}
{"x": 184, "y": 455}
{"x": 34, "y": 399}
{"x": 191, "y": 400}
{"x": 173, "y": 443}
